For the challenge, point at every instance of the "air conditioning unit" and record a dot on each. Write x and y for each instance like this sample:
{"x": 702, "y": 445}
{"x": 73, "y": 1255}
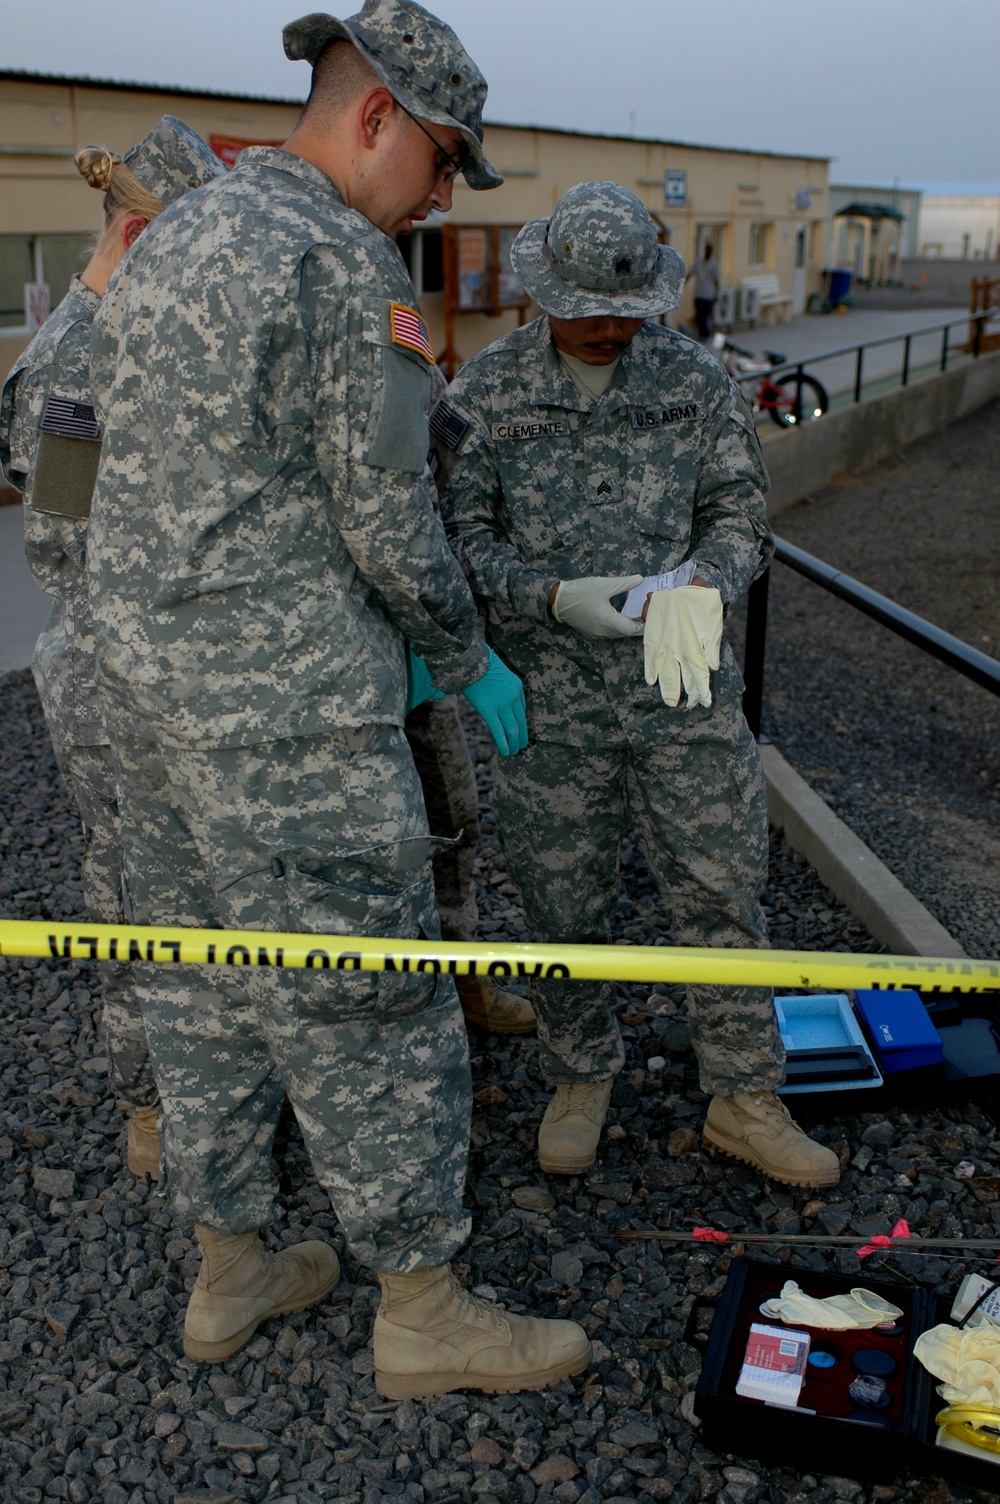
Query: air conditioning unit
{"x": 724, "y": 313}
{"x": 748, "y": 305}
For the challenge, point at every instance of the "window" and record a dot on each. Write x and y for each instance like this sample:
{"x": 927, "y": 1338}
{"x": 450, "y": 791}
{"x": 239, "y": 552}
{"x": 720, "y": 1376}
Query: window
{"x": 37, "y": 258}
{"x": 816, "y": 232}
{"x": 423, "y": 252}
{"x": 760, "y": 244}
{"x": 17, "y": 266}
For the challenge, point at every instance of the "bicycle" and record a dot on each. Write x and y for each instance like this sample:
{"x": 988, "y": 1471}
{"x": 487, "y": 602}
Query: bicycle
{"x": 791, "y": 399}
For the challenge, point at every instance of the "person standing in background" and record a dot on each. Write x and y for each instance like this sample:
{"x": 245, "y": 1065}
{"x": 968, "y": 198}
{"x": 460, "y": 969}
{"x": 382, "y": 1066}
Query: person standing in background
{"x": 50, "y": 443}
{"x": 441, "y": 753}
{"x": 706, "y": 276}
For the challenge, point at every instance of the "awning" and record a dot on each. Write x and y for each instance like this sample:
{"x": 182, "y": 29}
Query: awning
{"x": 868, "y": 211}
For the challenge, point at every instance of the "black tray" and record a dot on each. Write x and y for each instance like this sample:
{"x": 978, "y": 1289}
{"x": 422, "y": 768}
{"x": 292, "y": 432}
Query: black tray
{"x": 827, "y": 1441}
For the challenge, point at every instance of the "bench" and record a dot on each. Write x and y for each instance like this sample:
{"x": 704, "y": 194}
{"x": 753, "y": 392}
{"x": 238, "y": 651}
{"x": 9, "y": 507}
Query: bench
{"x": 769, "y": 295}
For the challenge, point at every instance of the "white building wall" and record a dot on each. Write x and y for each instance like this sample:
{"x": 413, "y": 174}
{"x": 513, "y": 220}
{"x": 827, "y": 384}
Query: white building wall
{"x": 960, "y": 228}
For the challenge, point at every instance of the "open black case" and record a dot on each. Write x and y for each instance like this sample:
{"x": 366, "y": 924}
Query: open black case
{"x": 819, "y": 1435}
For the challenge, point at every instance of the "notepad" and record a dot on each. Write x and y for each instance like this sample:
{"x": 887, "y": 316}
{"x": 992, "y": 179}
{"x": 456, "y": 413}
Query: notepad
{"x": 774, "y": 1365}
{"x": 673, "y": 579}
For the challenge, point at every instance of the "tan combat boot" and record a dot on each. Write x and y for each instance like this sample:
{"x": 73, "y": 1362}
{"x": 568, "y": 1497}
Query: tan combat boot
{"x": 240, "y": 1285}
{"x": 431, "y": 1337}
{"x": 486, "y": 1004}
{"x": 571, "y": 1127}
{"x": 142, "y": 1152}
{"x": 757, "y": 1127}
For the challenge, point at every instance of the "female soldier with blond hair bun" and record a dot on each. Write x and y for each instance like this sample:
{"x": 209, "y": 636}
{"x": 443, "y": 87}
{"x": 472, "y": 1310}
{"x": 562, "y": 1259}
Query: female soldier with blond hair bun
{"x": 50, "y": 443}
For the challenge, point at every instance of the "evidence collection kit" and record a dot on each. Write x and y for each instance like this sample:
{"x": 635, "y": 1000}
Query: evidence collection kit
{"x": 855, "y": 1400}
{"x": 854, "y": 1403}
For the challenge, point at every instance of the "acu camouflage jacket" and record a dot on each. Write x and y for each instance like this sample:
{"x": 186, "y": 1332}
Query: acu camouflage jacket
{"x": 538, "y": 483}
{"x": 48, "y": 394}
{"x": 264, "y": 535}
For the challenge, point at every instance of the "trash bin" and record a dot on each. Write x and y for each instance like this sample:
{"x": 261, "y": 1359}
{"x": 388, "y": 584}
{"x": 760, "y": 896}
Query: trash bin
{"x": 839, "y": 285}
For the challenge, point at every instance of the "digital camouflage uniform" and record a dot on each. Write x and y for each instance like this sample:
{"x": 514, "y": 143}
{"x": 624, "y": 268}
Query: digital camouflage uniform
{"x": 262, "y": 374}
{"x": 57, "y": 364}
{"x": 49, "y": 448}
{"x": 540, "y": 483}
{"x": 441, "y": 753}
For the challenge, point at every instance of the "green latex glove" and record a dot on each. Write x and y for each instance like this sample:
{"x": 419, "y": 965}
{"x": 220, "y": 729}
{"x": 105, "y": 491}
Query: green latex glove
{"x": 499, "y": 698}
{"x": 682, "y": 641}
{"x": 585, "y": 605}
{"x": 418, "y": 682}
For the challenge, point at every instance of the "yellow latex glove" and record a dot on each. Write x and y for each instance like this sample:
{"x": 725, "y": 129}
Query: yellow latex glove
{"x": 681, "y": 642}
{"x": 967, "y": 1359}
{"x": 860, "y": 1310}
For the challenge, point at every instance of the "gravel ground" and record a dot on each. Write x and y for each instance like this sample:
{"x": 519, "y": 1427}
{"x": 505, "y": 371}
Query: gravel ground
{"x": 904, "y": 749}
{"x": 96, "y": 1400}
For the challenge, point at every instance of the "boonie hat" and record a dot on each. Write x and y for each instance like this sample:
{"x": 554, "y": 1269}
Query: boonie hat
{"x": 172, "y": 160}
{"x": 421, "y": 62}
{"x": 598, "y": 255}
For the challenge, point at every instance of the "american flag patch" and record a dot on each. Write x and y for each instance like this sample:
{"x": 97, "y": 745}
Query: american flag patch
{"x": 408, "y": 328}
{"x": 448, "y": 426}
{"x": 71, "y": 419}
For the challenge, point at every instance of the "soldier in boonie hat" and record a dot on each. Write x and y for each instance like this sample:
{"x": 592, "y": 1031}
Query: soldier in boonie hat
{"x": 590, "y": 453}
{"x": 598, "y": 256}
{"x": 172, "y": 160}
{"x": 421, "y": 62}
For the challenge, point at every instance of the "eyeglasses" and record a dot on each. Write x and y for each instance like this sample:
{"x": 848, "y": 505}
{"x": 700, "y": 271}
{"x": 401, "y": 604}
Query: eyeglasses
{"x": 455, "y": 164}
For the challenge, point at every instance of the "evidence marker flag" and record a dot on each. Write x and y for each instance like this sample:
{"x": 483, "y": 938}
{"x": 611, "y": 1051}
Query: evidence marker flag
{"x": 621, "y": 963}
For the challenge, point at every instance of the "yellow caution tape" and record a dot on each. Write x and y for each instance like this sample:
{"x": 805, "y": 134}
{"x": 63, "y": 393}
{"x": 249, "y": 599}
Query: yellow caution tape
{"x": 592, "y": 963}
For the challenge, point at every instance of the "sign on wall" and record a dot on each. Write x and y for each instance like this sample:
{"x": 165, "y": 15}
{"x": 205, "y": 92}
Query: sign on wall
{"x": 675, "y": 188}
{"x": 37, "y": 304}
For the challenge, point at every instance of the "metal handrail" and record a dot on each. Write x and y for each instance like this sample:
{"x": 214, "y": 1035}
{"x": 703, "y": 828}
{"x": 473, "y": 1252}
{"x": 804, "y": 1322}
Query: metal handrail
{"x": 957, "y": 655}
{"x": 798, "y": 366}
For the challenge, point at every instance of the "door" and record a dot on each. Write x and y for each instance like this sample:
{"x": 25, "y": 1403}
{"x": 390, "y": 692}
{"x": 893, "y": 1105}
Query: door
{"x": 800, "y": 270}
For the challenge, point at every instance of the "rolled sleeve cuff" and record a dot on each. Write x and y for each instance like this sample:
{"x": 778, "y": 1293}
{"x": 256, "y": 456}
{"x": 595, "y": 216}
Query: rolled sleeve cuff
{"x": 529, "y": 594}
{"x": 452, "y": 673}
{"x": 713, "y": 576}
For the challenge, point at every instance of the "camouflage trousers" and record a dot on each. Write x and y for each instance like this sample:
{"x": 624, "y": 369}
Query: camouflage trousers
{"x": 90, "y": 777}
{"x": 327, "y": 835}
{"x": 444, "y": 765}
{"x": 697, "y": 805}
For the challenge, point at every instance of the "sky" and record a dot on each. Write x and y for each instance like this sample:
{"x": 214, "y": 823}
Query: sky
{"x": 892, "y": 90}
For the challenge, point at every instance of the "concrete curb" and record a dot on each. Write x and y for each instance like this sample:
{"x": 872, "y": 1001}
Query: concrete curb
{"x": 845, "y": 864}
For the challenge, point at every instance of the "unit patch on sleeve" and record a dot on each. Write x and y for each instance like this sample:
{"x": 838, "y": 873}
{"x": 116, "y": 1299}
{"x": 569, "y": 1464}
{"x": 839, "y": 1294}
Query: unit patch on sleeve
{"x": 448, "y": 426}
{"x": 653, "y": 417}
{"x": 408, "y": 329}
{"x": 69, "y": 418}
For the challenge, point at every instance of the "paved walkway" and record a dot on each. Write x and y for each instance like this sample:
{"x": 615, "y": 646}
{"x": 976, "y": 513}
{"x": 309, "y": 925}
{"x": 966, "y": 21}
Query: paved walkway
{"x": 23, "y": 607}
{"x": 814, "y": 336}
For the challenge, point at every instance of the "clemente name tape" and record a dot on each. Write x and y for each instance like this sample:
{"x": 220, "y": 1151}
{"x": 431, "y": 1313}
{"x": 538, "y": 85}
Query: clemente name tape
{"x": 639, "y": 963}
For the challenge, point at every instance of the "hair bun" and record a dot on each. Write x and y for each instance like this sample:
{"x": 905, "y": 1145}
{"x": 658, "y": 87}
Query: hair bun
{"x": 96, "y": 164}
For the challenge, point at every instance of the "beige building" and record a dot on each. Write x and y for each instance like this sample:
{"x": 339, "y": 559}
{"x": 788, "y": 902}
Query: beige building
{"x": 766, "y": 215}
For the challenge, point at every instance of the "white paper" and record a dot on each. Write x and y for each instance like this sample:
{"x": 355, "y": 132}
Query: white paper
{"x": 636, "y": 599}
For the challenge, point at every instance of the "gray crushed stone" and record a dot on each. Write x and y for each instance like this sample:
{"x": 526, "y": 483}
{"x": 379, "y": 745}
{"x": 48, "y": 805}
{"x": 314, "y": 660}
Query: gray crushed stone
{"x": 98, "y": 1403}
{"x": 905, "y": 750}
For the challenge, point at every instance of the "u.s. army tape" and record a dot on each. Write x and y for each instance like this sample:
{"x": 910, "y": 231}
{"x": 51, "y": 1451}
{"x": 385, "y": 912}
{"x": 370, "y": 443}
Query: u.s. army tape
{"x": 594, "y": 963}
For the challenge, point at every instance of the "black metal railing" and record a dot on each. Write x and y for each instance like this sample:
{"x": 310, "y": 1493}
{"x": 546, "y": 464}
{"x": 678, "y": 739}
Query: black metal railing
{"x": 979, "y": 667}
{"x": 972, "y": 346}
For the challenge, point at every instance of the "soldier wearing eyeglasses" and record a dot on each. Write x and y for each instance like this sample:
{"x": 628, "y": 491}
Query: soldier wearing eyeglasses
{"x": 265, "y": 546}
